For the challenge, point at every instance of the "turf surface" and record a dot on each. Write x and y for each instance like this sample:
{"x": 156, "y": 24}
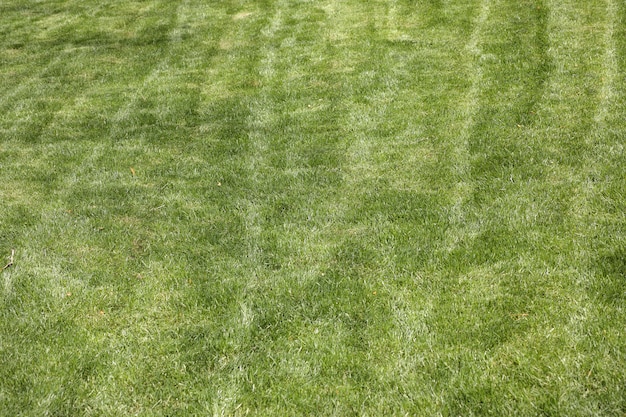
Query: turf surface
{"x": 312, "y": 208}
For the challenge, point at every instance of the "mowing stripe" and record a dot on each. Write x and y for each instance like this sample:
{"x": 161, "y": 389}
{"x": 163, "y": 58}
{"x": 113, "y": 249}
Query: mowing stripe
{"x": 25, "y": 87}
{"x": 574, "y": 49}
{"x": 610, "y": 67}
{"x": 117, "y": 127}
{"x": 470, "y": 110}
{"x": 159, "y": 69}
{"x": 260, "y": 117}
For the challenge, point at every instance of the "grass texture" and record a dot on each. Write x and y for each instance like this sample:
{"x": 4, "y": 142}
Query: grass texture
{"x": 292, "y": 207}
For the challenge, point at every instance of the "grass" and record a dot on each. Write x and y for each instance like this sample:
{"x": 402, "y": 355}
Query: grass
{"x": 313, "y": 208}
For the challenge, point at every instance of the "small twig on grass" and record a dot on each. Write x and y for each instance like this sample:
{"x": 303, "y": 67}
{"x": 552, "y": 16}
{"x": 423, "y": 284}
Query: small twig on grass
{"x": 10, "y": 260}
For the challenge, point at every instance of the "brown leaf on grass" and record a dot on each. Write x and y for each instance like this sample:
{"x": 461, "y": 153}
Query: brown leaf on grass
{"x": 132, "y": 171}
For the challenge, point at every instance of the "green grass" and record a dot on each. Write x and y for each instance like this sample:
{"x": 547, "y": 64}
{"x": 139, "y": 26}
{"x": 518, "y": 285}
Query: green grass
{"x": 313, "y": 208}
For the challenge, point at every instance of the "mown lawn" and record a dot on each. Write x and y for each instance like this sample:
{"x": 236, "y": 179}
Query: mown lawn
{"x": 296, "y": 207}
